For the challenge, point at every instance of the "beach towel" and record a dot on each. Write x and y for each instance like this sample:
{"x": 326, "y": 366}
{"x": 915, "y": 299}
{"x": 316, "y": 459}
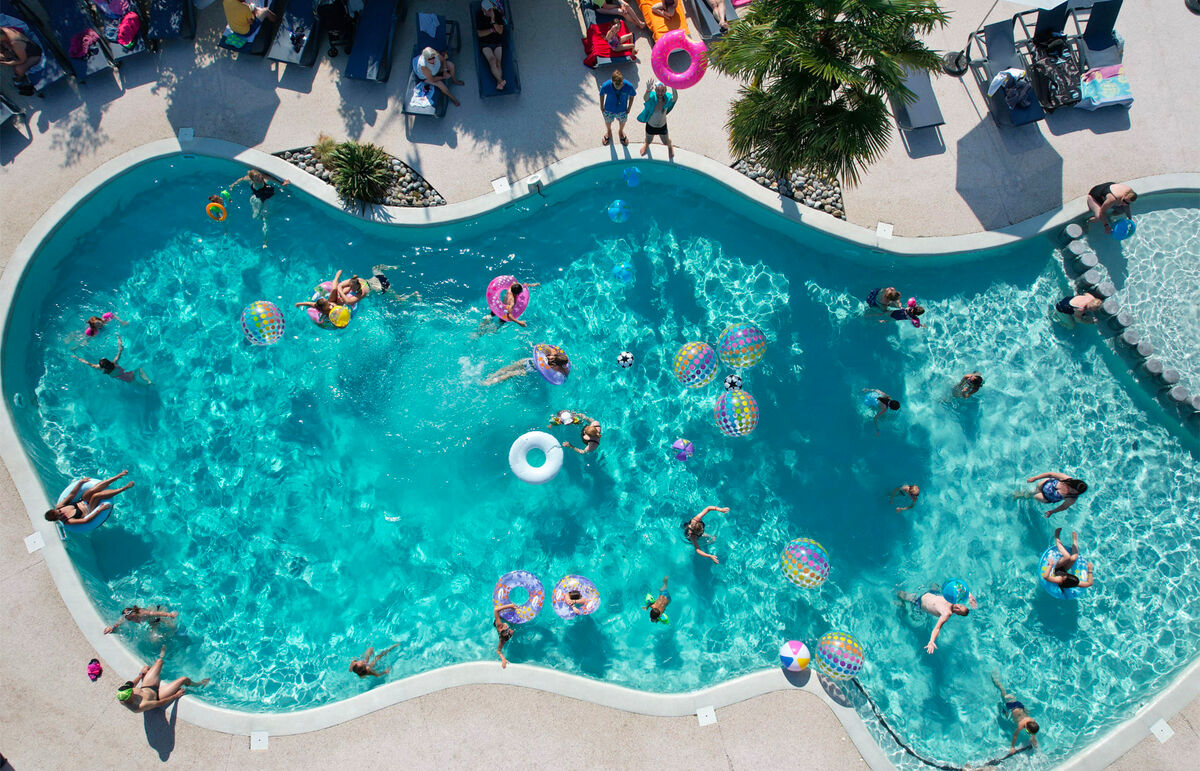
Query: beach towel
{"x": 422, "y": 97}
{"x": 595, "y": 44}
{"x": 84, "y": 45}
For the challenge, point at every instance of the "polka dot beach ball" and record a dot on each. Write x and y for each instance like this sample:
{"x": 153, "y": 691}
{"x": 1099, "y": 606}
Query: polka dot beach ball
{"x": 839, "y": 656}
{"x": 262, "y": 323}
{"x": 696, "y": 364}
{"x": 805, "y": 562}
{"x": 742, "y": 345}
{"x": 736, "y": 413}
{"x": 793, "y": 656}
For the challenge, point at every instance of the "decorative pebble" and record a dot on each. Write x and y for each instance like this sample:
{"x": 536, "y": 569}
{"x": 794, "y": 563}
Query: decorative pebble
{"x": 408, "y": 187}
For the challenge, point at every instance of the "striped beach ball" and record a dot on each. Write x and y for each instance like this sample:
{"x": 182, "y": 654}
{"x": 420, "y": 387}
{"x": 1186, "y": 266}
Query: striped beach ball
{"x": 839, "y": 656}
{"x": 742, "y": 345}
{"x": 805, "y": 562}
{"x": 736, "y": 413}
{"x": 793, "y": 656}
{"x": 696, "y": 364}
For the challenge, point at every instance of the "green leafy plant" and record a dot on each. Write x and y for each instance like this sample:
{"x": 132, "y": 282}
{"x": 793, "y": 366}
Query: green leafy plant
{"x": 817, "y": 76}
{"x": 362, "y": 173}
{"x": 324, "y": 148}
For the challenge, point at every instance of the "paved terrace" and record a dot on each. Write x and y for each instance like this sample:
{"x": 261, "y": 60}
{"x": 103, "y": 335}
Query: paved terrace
{"x": 974, "y": 176}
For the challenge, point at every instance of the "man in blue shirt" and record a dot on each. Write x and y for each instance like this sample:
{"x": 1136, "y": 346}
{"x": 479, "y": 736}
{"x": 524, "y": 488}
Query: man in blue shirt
{"x": 616, "y": 97}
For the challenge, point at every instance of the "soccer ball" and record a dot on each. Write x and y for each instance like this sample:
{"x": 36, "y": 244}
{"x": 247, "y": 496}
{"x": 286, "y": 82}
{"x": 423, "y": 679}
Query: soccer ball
{"x": 733, "y": 383}
{"x": 625, "y": 359}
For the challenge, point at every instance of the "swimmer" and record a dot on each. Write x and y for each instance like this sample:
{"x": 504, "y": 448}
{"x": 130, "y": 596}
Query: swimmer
{"x": 136, "y": 615}
{"x": 589, "y": 434}
{"x": 509, "y": 301}
{"x": 97, "y": 323}
{"x": 575, "y": 599}
{"x": 147, "y": 692}
{"x": 112, "y": 369}
{"x": 1109, "y": 196}
{"x": 911, "y": 312}
{"x": 1019, "y": 715}
{"x": 881, "y": 402}
{"x": 912, "y": 491}
{"x": 660, "y": 604}
{"x": 379, "y": 283}
{"x": 933, "y": 603}
{"x": 261, "y": 190}
{"x": 969, "y": 385}
{"x": 90, "y": 503}
{"x": 1060, "y": 575}
{"x": 1056, "y": 488}
{"x": 1081, "y": 308}
{"x": 693, "y": 529}
{"x": 323, "y": 306}
{"x": 365, "y": 666}
{"x": 883, "y": 298}
{"x": 557, "y": 361}
{"x": 503, "y": 630}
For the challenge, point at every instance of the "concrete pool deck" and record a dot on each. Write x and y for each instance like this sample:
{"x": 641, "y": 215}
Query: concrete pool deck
{"x": 79, "y": 139}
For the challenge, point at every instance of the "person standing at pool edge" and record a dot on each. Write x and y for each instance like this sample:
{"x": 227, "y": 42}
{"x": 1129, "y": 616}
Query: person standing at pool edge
{"x": 616, "y": 100}
{"x": 654, "y": 115}
{"x": 504, "y": 631}
{"x": 935, "y": 604}
{"x": 1019, "y": 715}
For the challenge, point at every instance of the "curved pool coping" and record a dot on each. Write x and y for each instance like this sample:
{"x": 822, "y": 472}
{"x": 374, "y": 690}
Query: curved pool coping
{"x": 1107, "y": 748}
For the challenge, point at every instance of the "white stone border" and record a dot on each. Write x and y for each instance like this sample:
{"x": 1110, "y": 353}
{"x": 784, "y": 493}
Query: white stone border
{"x": 1185, "y": 688}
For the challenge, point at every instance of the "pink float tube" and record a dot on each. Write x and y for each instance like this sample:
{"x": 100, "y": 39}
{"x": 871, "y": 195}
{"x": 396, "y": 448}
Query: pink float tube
{"x": 677, "y": 40}
{"x": 496, "y": 290}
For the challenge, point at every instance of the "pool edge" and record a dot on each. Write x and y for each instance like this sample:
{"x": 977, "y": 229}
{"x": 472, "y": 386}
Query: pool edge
{"x": 1111, "y": 745}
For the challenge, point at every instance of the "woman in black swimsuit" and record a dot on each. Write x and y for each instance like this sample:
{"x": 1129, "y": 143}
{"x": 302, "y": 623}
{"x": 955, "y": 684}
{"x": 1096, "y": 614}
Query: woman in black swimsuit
{"x": 261, "y": 190}
{"x": 18, "y": 51}
{"x": 590, "y": 434}
{"x": 1106, "y": 196}
{"x": 147, "y": 691}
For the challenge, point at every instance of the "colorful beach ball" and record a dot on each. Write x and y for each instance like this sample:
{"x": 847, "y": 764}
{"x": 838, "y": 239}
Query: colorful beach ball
{"x": 696, "y": 364}
{"x": 839, "y": 656}
{"x": 339, "y": 316}
{"x": 805, "y": 562}
{"x": 736, "y": 413}
{"x": 618, "y": 211}
{"x": 956, "y": 591}
{"x": 623, "y": 272}
{"x": 793, "y": 656}
{"x": 262, "y": 323}
{"x": 742, "y": 345}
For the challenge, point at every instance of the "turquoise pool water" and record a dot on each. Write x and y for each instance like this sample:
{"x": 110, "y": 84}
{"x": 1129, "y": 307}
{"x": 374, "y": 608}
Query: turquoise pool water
{"x": 300, "y": 502}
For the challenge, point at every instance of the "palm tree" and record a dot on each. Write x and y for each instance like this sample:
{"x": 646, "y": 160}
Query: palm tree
{"x": 817, "y": 76}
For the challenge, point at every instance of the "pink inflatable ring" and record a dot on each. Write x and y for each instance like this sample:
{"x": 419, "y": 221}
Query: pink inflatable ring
{"x": 495, "y": 293}
{"x": 677, "y": 40}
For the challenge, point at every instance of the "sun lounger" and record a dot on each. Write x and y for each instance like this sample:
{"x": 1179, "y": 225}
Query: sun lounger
{"x": 114, "y": 20}
{"x": 706, "y": 21}
{"x": 1046, "y": 21}
{"x": 256, "y": 43}
{"x": 433, "y": 31}
{"x": 371, "y": 58}
{"x": 660, "y": 26}
{"x": 1054, "y": 68}
{"x": 74, "y": 33}
{"x": 1000, "y": 48}
{"x": 596, "y": 50}
{"x": 298, "y": 40}
{"x": 1099, "y": 43}
{"x": 49, "y": 69}
{"x": 171, "y": 19}
{"x": 338, "y": 23}
{"x": 924, "y": 112}
{"x": 8, "y": 110}
{"x": 508, "y": 61}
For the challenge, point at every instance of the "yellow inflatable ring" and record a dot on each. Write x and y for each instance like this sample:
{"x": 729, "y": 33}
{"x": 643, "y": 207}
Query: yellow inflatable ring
{"x": 216, "y": 211}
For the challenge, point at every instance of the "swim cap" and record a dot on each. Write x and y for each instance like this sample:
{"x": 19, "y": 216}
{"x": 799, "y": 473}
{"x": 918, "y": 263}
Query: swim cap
{"x": 125, "y": 691}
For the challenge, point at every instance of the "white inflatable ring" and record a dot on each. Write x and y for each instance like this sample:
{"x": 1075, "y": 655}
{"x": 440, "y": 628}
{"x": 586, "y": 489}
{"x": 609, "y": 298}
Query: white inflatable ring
{"x": 519, "y": 452}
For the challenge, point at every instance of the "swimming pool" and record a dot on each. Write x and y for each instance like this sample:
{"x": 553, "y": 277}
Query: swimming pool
{"x": 300, "y": 502}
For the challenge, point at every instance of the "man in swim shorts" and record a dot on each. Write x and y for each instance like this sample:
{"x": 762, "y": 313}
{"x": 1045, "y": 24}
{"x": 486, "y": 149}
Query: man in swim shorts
{"x": 147, "y": 692}
{"x": 660, "y": 604}
{"x": 503, "y": 630}
{"x": 1019, "y": 715}
{"x": 933, "y": 603}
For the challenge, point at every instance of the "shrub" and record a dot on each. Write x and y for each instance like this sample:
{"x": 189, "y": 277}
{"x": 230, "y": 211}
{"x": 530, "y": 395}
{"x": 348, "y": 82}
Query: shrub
{"x": 362, "y": 173}
{"x": 324, "y": 148}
